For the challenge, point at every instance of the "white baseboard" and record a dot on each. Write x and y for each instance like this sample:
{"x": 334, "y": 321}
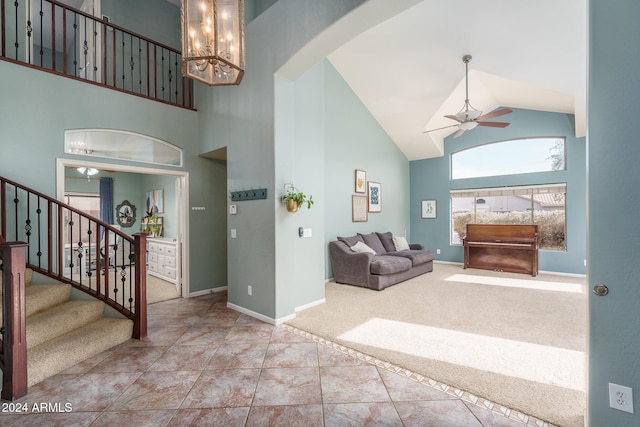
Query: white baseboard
{"x": 207, "y": 291}
{"x": 311, "y": 304}
{"x": 253, "y": 314}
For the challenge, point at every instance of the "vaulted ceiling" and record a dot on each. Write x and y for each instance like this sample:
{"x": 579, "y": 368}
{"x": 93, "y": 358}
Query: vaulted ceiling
{"x": 408, "y": 70}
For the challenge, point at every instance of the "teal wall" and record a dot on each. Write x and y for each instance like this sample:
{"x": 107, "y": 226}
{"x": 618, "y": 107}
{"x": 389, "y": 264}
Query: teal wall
{"x": 243, "y": 119}
{"x": 157, "y": 20}
{"x": 430, "y": 180}
{"x": 38, "y": 107}
{"x": 355, "y": 140}
{"x": 614, "y": 177}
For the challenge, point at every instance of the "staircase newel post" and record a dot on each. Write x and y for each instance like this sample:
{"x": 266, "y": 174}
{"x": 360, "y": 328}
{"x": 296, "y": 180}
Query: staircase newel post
{"x": 140, "y": 315}
{"x": 14, "y": 340}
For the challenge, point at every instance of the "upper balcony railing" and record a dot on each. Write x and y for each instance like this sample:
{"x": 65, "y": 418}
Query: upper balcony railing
{"x": 50, "y": 35}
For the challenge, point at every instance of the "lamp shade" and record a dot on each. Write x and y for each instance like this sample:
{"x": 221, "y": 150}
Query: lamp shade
{"x": 213, "y": 41}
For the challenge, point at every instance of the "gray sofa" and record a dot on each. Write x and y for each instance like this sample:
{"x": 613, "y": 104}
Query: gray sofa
{"x": 387, "y": 267}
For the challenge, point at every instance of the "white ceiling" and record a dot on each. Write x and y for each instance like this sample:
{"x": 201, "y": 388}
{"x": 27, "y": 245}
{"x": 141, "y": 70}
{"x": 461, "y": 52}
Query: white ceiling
{"x": 408, "y": 70}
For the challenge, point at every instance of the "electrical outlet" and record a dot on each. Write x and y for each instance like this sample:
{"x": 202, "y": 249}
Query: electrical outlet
{"x": 438, "y": 251}
{"x": 250, "y": 290}
{"x": 621, "y": 398}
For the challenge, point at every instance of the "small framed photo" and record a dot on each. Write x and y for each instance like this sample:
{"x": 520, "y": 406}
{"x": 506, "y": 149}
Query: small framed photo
{"x": 359, "y": 209}
{"x": 375, "y": 196}
{"x": 429, "y": 209}
{"x": 361, "y": 181}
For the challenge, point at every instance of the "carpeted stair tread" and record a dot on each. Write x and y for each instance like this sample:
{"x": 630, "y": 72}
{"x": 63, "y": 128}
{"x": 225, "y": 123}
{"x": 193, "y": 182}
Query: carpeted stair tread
{"x": 42, "y": 297}
{"x": 54, "y": 356}
{"x": 59, "y": 320}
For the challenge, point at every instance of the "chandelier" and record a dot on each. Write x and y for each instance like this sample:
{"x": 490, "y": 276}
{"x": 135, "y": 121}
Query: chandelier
{"x": 213, "y": 41}
{"x": 89, "y": 172}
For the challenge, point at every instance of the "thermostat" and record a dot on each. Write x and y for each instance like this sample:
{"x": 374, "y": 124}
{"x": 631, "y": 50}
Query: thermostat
{"x": 233, "y": 209}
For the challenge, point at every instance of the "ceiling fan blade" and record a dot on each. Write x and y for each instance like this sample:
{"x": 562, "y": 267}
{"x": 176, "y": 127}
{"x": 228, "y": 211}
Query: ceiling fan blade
{"x": 452, "y": 117}
{"x": 494, "y": 124}
{"x": 460, "y": 132}
{"x": 433, "y": 130}
{"x": 496, "y": 113}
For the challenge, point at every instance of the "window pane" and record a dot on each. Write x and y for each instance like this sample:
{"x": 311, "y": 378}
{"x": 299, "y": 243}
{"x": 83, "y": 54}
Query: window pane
{"x": 541, "y": 205}
{"x": 510, "y": 157}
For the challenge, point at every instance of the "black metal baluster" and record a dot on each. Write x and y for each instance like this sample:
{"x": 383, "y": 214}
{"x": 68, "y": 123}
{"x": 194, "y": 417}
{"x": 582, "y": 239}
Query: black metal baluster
{"x": 140, "y": 67}
{"x": 29, "y": 32}
{"x": 162, "y": 88}
{"x": 131, "y": 62}
{"x": 40, "y": 234}
{"x": 41, "y": 13}
{"x": 71, "y": 251}
{"x": 177, "y": 77}
{"x": 85, "y": 50}
{"x": 16, "y": 200}
{"x": 15, "y": 43}
{"x": 95, "y": 51}
{"x": 89, "y": 272}
{"x": 27, "y": 227}
{"x": 75, "y": 44}
{"x": 123, "y": 60}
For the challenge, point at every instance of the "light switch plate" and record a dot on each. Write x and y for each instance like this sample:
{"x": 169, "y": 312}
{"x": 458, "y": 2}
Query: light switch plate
{"x": 234, "y": 234}
{"x": 233, "y": 209}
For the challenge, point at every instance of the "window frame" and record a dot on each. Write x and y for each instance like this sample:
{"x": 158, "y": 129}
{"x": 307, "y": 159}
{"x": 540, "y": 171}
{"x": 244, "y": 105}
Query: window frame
{"x": 525, "y": 190}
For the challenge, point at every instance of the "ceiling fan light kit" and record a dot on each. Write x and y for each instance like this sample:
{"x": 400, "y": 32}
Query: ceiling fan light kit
{"x": 469, "y": 117}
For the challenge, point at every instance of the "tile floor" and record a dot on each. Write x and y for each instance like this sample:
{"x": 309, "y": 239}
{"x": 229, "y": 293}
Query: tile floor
{"x": 206, "y": 365}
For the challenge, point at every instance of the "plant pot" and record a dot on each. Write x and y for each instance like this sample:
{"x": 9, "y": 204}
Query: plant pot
{"x": 292, "y": 206}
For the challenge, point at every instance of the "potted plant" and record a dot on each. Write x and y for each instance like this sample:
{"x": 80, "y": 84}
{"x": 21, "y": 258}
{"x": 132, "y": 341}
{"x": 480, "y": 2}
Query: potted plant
{"x": 294, "y": 198}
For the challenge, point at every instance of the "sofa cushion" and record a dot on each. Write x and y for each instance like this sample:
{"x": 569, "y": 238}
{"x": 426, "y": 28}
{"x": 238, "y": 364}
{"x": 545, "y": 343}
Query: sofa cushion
{"x": 387, "y": 241}
{"x": 416, "y": 257}
{"x": 362, "y": 248}
{"x": 400, "y": 243}
{"x": 351, "y": 240}
{"x": 373, "y": 241}
{"x": 389, "y": 264}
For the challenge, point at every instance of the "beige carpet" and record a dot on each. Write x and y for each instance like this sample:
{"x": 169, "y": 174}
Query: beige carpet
{"x": 513, "y": 339}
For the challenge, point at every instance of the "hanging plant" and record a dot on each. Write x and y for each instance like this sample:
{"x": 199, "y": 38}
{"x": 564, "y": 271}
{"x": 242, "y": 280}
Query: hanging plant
{"x": 294, "y": 198}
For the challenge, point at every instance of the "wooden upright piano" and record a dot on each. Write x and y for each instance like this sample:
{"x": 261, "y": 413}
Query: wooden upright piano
{"x": 502, "y": 247}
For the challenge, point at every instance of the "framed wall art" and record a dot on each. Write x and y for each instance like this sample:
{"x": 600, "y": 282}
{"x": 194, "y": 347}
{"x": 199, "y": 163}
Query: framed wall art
{"x": 429, "y": 209}
{"x": 155, "y": 201}
{"x": 359, "y": 209}
{"x": 375, "y": 196}
{"x": 361, "y": 181}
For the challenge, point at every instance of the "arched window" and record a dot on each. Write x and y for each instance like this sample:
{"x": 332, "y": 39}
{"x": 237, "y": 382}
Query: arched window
{"x": 511, "y": 157}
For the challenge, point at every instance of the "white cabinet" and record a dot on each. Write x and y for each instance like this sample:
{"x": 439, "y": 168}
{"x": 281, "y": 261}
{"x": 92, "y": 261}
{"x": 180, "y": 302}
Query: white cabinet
{"x": 162, "y": 260}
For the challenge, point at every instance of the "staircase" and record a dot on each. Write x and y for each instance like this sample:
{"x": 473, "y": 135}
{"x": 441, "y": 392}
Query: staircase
{"x": 61, "y": 332}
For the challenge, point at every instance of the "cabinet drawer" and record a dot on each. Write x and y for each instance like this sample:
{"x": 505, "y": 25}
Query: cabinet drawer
{"x": 170, "y": 272}
{"x": 162, "y": 249}
{"x": 153, "y": 257}
{"x": 153, "y": 267}
{"x": 170, "y": 262}
{"x": 170, "y": 250}
{"x": 153, "y": 247}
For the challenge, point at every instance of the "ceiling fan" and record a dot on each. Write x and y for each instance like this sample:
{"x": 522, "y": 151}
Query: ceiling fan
{"x": 468, "y": 117}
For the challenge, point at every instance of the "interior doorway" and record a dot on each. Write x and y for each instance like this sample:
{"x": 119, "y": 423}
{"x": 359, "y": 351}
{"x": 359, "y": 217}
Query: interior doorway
{"x": 177, "y": 204}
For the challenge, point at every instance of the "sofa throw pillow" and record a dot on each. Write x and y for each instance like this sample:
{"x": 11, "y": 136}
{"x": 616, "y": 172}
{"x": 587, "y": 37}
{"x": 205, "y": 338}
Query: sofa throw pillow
{"x": 362, "y": 248}
{"x": 400, "y": 243}
{"x": 373, "y": 241}
{"x": 387, "y": 241}
{"x": 351, "y": 240}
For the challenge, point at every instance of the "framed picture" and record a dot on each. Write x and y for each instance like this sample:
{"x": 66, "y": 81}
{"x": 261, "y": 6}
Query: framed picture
{"x": 359, "y": 209}
{"x": 361, "y": 181}
{"x": 429, "y": 209}
{"x": 375, "y": 197}
{"x": 155, "y": 201}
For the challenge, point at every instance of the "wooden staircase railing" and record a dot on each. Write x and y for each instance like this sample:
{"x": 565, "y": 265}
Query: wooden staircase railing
{"x": 61, "y": 242}
{"x": 55, "y": 37}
